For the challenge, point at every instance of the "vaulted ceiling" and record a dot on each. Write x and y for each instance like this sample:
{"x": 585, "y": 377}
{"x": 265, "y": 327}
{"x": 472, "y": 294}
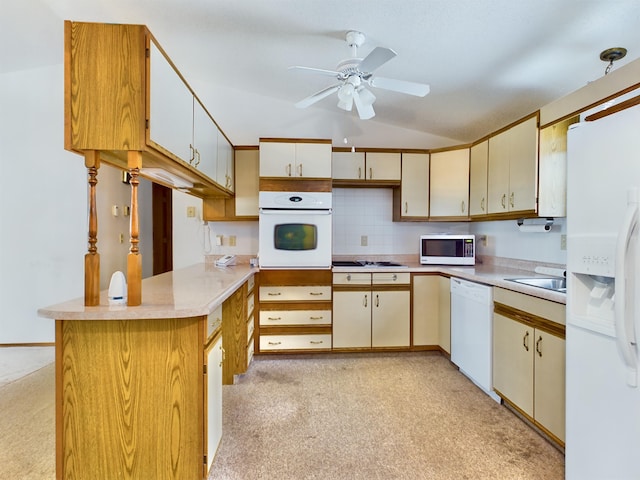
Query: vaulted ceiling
{"x": 488, "y": 62}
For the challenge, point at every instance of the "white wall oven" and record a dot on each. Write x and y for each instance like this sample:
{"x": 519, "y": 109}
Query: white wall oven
{"x": 294, "y": 230}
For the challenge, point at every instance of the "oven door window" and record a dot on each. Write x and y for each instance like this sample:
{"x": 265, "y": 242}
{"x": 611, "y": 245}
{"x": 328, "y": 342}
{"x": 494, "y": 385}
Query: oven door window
{"x": 295, "y": 236}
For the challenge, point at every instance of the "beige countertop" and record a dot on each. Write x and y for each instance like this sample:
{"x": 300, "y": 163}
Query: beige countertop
{"x": 187, "y": 292}
{"x": 197, "y": 290}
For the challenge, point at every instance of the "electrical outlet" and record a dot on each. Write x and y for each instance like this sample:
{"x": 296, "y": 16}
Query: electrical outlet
{"x": 364, "y": 240}
{"x": 191, "y": 212}
{"x": 563, "y": 242}
{"x": 218, "y": 240}
{"x": 232, "y": 240}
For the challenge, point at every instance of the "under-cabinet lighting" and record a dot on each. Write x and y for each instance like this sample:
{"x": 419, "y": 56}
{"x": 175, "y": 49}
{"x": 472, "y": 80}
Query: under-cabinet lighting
{"x": 166, "y": 177}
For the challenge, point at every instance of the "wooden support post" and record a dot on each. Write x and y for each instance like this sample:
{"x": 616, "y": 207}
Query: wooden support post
{"x": 92, "y": 258}
{"x": 134, "y": 259}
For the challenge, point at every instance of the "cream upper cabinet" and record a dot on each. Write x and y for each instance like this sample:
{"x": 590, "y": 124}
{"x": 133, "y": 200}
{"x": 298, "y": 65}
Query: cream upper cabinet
{"x": 295, "y": 160}
{"x": 247, "y": 164}
{"x": 383, "y": 166}
{"x": 347, "y": 165}
{"x": 513, "y": 168}
{"x": 414, "y": 187}
{"x": 205, "y": 137}
{"x": 170, "y": 108}
{"x": 449, "y": 184}
{"x": 478, "y": 164}
{"x": 225, "y": 166}
{"x": 552, "y": 183}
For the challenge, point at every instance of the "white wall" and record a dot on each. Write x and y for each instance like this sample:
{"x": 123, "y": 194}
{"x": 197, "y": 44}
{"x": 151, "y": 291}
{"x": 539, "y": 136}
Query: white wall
{"x": 43, "y": 202}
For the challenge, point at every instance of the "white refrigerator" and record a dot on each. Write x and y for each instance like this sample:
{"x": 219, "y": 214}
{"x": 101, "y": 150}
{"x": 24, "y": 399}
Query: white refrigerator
{"x": 603, "y": 288}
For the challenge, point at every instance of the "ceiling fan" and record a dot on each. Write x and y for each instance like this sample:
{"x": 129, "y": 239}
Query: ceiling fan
{"x": 354, "y": 74}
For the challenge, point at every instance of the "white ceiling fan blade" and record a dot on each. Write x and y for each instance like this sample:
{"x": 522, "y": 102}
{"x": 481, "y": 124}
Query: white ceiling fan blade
{"x": 377, "y": 57}
{"x": 330, "y": 73}
{"x": 402, "y": 86}
{"x": 365, "y": 112}
{"x": 316, "y": 97}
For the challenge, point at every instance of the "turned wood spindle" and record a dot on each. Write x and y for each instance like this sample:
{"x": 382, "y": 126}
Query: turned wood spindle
{"x": 134, "y": 259}
{"x": 92, "y": 258}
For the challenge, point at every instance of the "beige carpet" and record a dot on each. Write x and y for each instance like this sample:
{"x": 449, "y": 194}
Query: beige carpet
{"x": 359, "y": 416}
{"x": 27, "y": 427}
{"x": 363, "y": 416}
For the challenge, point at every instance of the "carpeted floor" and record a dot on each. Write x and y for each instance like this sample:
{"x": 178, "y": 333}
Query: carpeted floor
{"x": 363, "y": 416}
{"x": 329, "y": 417}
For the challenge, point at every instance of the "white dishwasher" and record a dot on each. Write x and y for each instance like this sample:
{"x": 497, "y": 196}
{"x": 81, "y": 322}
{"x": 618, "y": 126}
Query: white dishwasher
{"x": 471, "y": 332}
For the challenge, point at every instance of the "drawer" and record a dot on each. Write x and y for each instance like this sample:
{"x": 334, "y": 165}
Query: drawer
{"x": 250, "y": 327}
{"x": 295, "y": 342}
{"x": 294, "y": 317}
{"x": 295, "y": 293}
{"x": 537, "y": 306}
{"x": 352, "y": 279}
{"x": 214, "y": 320}
{"x": 250, "y": 304}
{"x": 391, "y": 278}
{"x": 251, "y": 283}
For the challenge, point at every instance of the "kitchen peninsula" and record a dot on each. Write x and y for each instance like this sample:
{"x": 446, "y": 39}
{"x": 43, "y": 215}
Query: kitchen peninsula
{"x": 134, "y": 385}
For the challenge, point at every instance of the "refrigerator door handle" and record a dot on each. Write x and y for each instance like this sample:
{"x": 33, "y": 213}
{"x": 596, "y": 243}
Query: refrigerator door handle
{"x": 624, "y": 324}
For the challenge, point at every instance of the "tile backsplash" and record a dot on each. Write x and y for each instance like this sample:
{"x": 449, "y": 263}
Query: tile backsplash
{"x": 367, "y": 212}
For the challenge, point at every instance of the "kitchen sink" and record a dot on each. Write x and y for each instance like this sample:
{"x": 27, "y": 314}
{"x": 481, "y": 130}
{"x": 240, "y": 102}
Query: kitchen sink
{"x": 365, "y": 263}
{"x": 557, "y": 284}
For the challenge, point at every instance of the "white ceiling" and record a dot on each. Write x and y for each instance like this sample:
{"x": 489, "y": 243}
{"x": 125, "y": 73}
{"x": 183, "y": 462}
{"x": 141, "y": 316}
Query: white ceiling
{"x": 488, "y": 62}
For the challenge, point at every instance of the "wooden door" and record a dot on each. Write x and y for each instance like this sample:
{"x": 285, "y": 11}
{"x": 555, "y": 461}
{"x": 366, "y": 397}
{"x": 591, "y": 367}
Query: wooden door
{"x": 162, "y": 201}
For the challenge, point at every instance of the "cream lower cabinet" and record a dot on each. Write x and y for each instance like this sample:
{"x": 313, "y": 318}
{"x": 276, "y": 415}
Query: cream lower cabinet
{"x": 431, "y": 312}
{"x": 371, "y": 310}
{"x": 294, "y": 311}
{"x": 529, "y": 358}
{"x": 213, "y": 389}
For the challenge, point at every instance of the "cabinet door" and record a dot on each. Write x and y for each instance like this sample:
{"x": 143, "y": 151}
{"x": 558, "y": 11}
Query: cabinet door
{"x": 390, "y": 318}
{"x": 444, "y": 314}
{"x": 549, "y": 400}
{"x": 247, "y": 165}
{"x": 205, "y": 141}
{"x": 213, "y": 408}
{"x": 478, "y": 164}
{"x": 382, "y": 166}
{"x": 352, "y": 319}
{"x": 313, "y": 160}
{"x": 224, "y": 173}
{"x": 513, "y": 348}
{"x": 449, "y": 196}
{"x": 170, "y": 108}
{"x": 347, "y": 165}
{"x": 426, "y": 309}
{"x": 414, "y": 187}
{"x": 498, "y": 173}
{"x": 523, "y": 165}
{"x": 277, "y": 159}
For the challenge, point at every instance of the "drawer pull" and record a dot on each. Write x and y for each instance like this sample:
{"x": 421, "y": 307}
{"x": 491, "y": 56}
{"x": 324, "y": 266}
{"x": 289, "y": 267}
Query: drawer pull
{"x": 525, "y": 341}
{"x": 348, "y": 277}
{"x": 316, "y": 342}
{"x": 316, "y": 318}
{"x": 275, "y": 343}
{"x": 274, "y": 318}
{"x": 316, "y": 293}
{"x": 364, "y": 301}
{"x": 274, "y": 294}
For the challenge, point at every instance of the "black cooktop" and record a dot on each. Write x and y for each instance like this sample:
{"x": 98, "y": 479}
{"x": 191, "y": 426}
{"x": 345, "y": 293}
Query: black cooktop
{"x": 364, "y": 263}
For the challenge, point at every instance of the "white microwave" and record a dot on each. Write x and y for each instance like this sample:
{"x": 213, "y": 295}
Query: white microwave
{"x": 447, "y": 249}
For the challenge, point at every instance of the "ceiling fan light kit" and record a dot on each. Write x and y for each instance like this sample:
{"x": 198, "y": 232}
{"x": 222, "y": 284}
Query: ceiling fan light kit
{"x": 354, "y": 73}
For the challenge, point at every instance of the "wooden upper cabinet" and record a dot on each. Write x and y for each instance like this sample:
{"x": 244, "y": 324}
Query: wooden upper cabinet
{"x": 449, "y": 190}
{"x": 122, "y": 94}
{"x": 512, "y": 184}
{"x": 478, "y": 164}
